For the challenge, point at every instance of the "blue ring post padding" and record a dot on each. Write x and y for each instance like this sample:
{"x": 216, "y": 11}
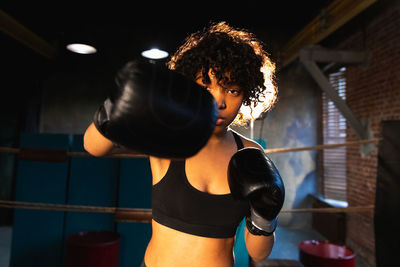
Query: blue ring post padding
{"x": 134, "y": 192}
{"x": 37, "y": 234}
{"x": 92, "y": 182}
{"x": 261, "y": 142}
{"x": 239, "y": 249}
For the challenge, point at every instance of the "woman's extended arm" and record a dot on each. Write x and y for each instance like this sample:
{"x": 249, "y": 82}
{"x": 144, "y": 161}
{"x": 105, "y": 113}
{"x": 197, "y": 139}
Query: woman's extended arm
{"x": 97, "y": 145}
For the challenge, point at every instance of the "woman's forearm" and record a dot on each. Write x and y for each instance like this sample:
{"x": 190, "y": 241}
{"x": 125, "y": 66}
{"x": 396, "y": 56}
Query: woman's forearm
{"x": 95, "y": 143}
{"x": 259, "y": 246}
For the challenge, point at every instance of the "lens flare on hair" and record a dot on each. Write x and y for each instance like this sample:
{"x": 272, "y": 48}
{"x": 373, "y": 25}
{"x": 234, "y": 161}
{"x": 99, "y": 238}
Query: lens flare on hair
{"x": 265, "y": 101}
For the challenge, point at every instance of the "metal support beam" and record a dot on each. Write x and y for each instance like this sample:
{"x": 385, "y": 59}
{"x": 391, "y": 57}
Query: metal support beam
{"x": 19, "y": 32}
{"x": 331, "y": 18}
{"x": 309, "y": 56}
{"x": 323, "y": 55}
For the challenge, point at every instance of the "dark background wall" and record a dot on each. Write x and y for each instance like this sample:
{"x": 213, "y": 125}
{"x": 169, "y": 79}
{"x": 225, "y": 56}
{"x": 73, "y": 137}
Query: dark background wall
{"x": 70, "y": 100}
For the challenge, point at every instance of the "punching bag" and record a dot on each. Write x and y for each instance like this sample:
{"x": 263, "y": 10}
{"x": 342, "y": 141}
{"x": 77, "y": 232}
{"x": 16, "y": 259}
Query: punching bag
{"x": 387, "y": 201}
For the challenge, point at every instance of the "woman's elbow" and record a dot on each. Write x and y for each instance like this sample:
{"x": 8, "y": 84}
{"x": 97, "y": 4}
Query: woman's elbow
{"x": 91, "y": 148}
{"x": 260, "y": 257}
{"x": 95, "y": 144}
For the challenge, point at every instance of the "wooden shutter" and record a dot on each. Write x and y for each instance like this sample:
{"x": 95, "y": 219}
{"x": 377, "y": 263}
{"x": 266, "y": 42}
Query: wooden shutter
{"x": 334, "y": 131}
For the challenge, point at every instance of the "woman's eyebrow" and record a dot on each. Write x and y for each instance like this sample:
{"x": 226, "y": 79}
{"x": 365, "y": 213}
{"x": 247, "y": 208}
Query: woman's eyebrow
{"x": 230, "y": 86}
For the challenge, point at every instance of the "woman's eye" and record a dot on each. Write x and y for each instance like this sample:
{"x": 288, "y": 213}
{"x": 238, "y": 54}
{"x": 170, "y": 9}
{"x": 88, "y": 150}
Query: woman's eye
{"x": 234, "y": 92}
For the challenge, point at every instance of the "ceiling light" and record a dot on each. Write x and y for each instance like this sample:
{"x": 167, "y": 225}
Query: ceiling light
{"x": 155, "y": 54}
{"x": 81, "y": 48}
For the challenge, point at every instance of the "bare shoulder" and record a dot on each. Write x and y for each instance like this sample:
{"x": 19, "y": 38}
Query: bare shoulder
{"x": 247, "y": 142}
{"x": 159, "y": 167}
{"x": 158, "y": 162}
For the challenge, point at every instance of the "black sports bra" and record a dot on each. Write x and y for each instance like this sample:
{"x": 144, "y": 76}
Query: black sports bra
{"x": 179, "y": 205}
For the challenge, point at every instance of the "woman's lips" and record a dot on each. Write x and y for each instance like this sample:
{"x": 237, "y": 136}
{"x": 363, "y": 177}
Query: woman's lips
{"x": 220, "y": 121}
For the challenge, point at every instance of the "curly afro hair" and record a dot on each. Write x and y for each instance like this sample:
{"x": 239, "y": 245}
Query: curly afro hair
{"x": 235, "y": 56}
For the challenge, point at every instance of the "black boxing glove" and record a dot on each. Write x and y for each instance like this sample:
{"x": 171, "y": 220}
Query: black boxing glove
{"x": 156, "y": 111}
{"x": 254, "y": 177}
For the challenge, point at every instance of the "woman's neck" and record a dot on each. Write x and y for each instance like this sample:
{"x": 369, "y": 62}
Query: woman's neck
{"x": 218, "y": 137}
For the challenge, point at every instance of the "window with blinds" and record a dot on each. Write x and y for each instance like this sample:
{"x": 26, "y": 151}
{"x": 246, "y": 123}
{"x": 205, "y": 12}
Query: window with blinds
{"x": 334, "y": 131}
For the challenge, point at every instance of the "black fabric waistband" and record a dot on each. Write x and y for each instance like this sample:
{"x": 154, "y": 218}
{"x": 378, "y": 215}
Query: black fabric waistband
{"x": 212, "y": 231}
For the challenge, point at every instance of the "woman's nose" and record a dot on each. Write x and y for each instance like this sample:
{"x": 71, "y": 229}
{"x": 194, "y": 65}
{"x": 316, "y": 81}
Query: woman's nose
{"x": 220, "y": 98}
{"x": 222, "y": 105}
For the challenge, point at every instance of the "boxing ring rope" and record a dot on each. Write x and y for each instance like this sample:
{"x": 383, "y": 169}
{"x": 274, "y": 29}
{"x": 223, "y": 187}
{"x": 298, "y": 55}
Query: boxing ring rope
{"x": 321, "y": 147}
{"x": 145, "y": 215}
{"x": 60, "y": 153}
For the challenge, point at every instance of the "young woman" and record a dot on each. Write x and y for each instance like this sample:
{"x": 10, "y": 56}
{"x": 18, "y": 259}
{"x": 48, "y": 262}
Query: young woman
{"x": 194, "y": 213}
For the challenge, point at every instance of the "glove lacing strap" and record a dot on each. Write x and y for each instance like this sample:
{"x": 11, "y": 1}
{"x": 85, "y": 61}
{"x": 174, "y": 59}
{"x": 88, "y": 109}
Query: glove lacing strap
{"x": 259, "y": 226}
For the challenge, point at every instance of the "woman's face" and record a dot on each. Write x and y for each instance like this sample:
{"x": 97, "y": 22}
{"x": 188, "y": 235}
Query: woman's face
{"x": 229, "y": 99}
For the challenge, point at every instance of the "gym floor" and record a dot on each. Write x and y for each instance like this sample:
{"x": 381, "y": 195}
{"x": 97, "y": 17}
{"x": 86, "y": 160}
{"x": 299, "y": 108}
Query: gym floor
{"x": 285, "y": 247}
{"x": 5, "y": 246}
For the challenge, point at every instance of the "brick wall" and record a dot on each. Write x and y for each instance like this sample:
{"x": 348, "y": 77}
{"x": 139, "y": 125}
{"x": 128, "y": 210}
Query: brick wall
{"x": 373, "y": 93}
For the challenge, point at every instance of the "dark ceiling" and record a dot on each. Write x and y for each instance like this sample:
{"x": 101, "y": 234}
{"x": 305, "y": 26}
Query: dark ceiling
{"x": 121, "y": 32}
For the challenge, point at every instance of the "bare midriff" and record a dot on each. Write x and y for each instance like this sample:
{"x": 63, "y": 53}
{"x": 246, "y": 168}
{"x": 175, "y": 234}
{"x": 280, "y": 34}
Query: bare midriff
{"x": 169, "y": 247}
